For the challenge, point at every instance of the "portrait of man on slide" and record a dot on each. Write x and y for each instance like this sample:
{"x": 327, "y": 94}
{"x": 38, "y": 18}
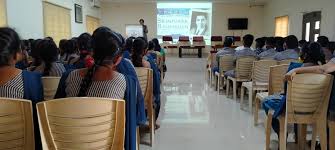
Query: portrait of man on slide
{"x": 199, "y": 24}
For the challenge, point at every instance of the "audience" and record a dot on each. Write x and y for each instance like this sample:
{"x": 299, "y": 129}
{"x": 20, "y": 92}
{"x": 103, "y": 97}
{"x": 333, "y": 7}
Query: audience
{"x": 70, "y": 52}
{"x": 128, "y": 48}
{"x": 226, "y": 50}
{"x": 279, "y": 44}
{"x": 331, "y": 47}
{"x": 269, "y": 51}
{"x": 324, "y": 42}
{"x": 16, "y": 83}
{"x": 291, "y": 45}
{"x": 62, "y": 45}
{"x": 139, "y": 50}
{"x": 49, "y": 65}
{"x": 85, "y": 48}
{"x": 260, "y": 43}
{"x": 312, "y": 55}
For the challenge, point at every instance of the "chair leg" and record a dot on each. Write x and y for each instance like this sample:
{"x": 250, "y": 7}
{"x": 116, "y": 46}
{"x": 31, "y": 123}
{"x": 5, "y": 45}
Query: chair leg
{"x": 242, "y": 97}
{"x": 256, "y": 111}
{"x": 282, "y": 134}
{"x": 251, "y": 92}
{"x": 322, "y": 130}
{"x": 331, "y": 125}
{"x": 302, "y": 136}
{"x": 218, "y": 84}
{"x": 227, "y": 88}
{"x": 314, "y": 133}
{"x": 268, "y": 131}
{"x": 234, "y": 90}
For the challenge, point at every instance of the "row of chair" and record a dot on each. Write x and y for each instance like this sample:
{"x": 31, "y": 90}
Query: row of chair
{"x": 50, "y": 84}
{"x": 307, "y": 97}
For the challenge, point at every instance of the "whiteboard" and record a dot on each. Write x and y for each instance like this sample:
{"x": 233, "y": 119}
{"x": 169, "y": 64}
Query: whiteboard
{"x": 134, "y": 30}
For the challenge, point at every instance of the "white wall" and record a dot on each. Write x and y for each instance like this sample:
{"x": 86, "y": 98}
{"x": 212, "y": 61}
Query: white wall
{"x": 26, "y": 16}
{"x": 295, "y": 9}
{"x": 116, "y": 15}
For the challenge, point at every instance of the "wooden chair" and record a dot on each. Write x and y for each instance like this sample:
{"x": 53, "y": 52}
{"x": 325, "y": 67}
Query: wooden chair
{"x": 306, "y": 103}
{"x": 260, "y": 80}
{"x": 242, "y": 73}
{"x": 50, "y": 85}
{"x": 82, "y": 123}
{"x": 287, "y": 61}
{"x": 145, "y": 76}
{"x": 226, "y": 63}
{"x": 16, "y": 119}
{"x": 275, "y": 86}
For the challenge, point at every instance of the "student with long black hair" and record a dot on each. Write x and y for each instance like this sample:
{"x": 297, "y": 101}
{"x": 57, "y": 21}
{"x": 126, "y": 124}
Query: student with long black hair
{"x": 16, "y": 83}
{"x": 139, "y": 50}
{"x": 92, "y": 82}
{"x": 49, "y": 65}
{"x": 85, "y": 48}
{"x": 71, "y": 53}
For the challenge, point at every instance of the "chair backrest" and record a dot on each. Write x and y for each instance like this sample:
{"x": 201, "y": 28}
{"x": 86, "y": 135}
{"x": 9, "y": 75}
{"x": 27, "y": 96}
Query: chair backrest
{"x": 287, "y": 61}
{"x": 227, "y": 62}
{"x": 50, "y": 85}
{"x": 276, "y": 82}
{"x": 308, "y": 97}
{"x": 16, "y": 119}
{"x": 82, "y": 123}
{"x": 261, "y": 70}
{"x": 145, "y": 77}
{"x": 244, "y": 68}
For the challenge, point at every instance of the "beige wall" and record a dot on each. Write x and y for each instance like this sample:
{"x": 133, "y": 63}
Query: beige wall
{"x": 116, "y": 15}
{"x": 221, "y": 13}
{"x": 295, "y": 9}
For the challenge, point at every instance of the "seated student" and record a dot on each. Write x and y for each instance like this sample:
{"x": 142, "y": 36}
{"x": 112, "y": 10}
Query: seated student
{"x": 62, "y": 44}
{"x": 331, "y": 47}
{"x": 49, "y": 65}
{"x": 139, "y": 50}
{"x": 312, "y": 56}
{"x": 23, "y": 64}
{"x": 260, "y": 43}
{"x": 15, "y": 83}
{"x": 92, "y": 82}
{"x": 162, "y": 52}
{"x": 291, "y": 44}
{"x": 71, "y": 53}
{"x": 302, "y": 43}
{"x": 279, "y": 44}
{"x": 270, "y": 51}
{"x": 128, "y": 48}
{"x": 323, "y": 41}
{"x": 35, "y": 54}
{"x": 247, "y": 51}
{"x": 226, "y": 50}
{"x": 85, "y": 47}
{"x": 151, "y": 52}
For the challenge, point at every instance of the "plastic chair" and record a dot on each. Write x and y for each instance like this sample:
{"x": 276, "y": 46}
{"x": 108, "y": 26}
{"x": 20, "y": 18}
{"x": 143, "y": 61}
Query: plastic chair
{"x": 16, "y": 119}
{"x": 50, "y": 85}
{"x": 82, "y": 123}
{"x": 145, "y": 76}
{"x": 275, "y": 86}
{"x": 226, "y": 63}
{"x": 260, "y": 80}
{"x": 287, "y": 61}
{"x": 306, "y": 103}
{"x": 242, "y": 73}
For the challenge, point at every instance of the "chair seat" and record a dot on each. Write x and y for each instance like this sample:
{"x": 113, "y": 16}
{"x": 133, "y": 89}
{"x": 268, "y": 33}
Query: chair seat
{"x": 257, "y": 86}
{"x": 238, "y": 80}
{"x": 262, "y": 95}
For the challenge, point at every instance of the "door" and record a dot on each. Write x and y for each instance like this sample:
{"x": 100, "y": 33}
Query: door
{"x": 311, "y": 26}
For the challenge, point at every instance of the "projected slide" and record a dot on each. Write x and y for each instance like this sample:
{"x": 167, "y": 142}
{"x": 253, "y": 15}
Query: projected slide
{"x": 190, "y": 19}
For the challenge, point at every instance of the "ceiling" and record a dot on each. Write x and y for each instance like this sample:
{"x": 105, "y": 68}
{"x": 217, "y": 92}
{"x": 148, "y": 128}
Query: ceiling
{"x": 216, "y": 1}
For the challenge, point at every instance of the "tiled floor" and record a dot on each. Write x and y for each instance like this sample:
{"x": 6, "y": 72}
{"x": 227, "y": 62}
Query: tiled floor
{"x": 195, "y": 117}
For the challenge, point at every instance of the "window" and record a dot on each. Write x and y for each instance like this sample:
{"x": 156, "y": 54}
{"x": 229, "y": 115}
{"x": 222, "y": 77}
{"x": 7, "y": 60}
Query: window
{"x": 3, "y": 13}
{"x": 281, "y": 26}
{"x": 92, "y": 23}
{"x": 57, "y": 22}
{"x": 311, "y": 26}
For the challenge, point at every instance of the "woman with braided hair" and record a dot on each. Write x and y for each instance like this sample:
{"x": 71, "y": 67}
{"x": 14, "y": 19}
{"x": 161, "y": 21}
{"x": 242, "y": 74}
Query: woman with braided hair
{"x": 16, "y": 83}
{"x": 49, "y": 65}
{"x": 92, "y": 82}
